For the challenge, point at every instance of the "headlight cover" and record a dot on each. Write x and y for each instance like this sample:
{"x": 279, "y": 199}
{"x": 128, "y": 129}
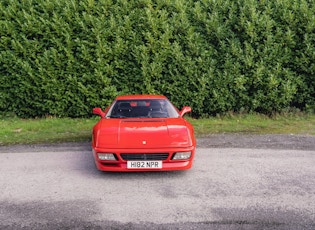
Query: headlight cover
{"x": 106, "y": 156}
{"x": 182, "y": 156}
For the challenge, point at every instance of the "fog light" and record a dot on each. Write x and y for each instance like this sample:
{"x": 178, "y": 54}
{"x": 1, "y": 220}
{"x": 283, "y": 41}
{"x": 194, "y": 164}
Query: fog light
{"x": 182, "y": 156}
{"x": 106, "y": 156}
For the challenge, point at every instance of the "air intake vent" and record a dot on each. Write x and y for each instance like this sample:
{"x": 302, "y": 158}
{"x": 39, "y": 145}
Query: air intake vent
{"x": 140, "y": 120}
{"x": 143, "y": 157}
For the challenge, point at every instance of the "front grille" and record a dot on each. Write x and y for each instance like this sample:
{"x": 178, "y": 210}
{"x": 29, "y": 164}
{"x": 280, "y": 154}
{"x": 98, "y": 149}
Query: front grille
{"x": 144, "y": 157}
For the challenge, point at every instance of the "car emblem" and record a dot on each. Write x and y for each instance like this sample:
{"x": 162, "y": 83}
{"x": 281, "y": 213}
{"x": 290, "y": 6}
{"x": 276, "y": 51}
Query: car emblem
{"x": 144, "y": 142}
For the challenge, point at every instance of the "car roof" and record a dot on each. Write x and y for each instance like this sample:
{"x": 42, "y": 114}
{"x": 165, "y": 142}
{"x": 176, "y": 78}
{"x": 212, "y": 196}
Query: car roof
{"x": 140, "y": 96}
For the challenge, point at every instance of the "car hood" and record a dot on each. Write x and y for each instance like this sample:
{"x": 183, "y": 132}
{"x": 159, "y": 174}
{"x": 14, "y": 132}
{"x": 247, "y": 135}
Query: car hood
{"x": 143, "y": 133}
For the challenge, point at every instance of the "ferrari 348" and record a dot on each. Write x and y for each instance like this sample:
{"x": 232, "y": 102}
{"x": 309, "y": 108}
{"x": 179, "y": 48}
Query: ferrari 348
{"x": 143, "y": 133}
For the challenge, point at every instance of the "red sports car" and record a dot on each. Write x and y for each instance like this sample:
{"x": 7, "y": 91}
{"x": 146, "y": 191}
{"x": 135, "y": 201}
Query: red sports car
{"x": 143, "y": 133}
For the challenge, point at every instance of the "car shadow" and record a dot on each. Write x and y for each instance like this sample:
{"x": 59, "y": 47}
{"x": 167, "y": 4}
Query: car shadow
{"x": 87, "y": 167}
{"x": 150, "y": 174}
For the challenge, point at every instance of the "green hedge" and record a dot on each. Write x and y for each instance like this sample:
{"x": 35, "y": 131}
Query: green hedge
{"x": 64, "y": 57}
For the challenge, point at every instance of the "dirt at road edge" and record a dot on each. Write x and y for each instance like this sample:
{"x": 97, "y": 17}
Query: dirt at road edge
{"x": 298, "y": 142}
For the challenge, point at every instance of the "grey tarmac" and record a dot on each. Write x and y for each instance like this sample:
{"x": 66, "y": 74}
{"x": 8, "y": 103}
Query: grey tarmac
{"x": 237, "y": 182}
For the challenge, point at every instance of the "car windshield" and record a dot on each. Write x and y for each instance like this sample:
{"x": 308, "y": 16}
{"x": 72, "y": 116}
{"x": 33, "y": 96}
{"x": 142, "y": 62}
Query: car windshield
{"x": 145, "y": 108}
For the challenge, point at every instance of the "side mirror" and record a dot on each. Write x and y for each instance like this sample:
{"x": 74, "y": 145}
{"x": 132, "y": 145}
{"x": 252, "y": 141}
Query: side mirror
{"x": 98, "y": 111}
{"x": 185, "y": 109}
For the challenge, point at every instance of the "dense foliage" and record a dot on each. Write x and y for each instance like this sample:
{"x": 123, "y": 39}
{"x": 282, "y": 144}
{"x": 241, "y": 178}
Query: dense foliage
{"x": 64, "y": 57}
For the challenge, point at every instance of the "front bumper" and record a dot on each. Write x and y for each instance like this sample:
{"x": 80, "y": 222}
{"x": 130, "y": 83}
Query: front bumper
{"x": 120, "y": 165}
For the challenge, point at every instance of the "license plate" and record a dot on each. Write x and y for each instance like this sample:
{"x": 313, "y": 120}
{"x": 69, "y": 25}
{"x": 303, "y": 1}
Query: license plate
{"x": 144, "y": 164}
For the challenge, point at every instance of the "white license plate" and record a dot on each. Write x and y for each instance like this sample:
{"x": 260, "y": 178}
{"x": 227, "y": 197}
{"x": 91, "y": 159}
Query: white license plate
{"x": 144, "y": 164}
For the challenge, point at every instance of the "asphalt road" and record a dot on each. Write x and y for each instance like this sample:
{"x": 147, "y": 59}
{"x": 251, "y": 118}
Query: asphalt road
{"x": 58, "y": 187}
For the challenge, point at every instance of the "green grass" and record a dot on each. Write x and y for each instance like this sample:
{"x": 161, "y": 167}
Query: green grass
{"x": 54, "y": 130}
{"x": 256, "y": 124}
{"x": 48, "y": 130}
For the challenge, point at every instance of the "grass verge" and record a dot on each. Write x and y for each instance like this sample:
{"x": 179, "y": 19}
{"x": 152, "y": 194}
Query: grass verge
{"x": 54, "y": 130}
{"x": 256, "y": 124}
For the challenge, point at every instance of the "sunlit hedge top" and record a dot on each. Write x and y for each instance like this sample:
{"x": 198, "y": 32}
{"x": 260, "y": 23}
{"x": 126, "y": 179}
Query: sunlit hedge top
{"x": 64, "y": 57}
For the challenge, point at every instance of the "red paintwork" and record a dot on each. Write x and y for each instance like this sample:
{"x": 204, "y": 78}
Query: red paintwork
{"x": 127, "y": 135}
